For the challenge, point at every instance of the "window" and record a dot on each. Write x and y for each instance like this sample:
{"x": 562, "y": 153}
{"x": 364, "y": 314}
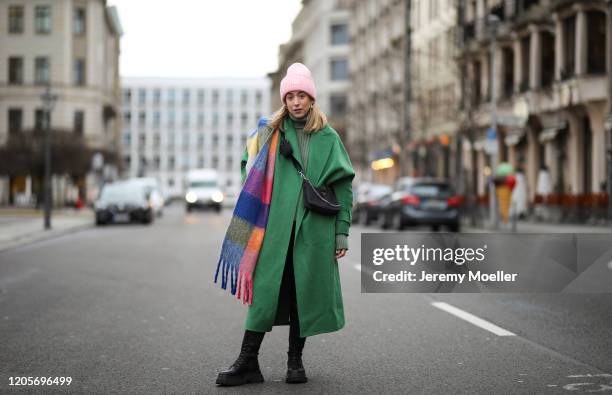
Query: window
{"x": 171, "y": 164}
{"x": 41, "y": 70}
{"x": 230, "y": 118}
{"x": 339, "y": 69}
{"x": 156, "y": 140}
{"x": 127, "y": 119}
{"x": 244, "y": 118}
{"x": 339, "y": 34}
{"x": 200, "y": 97}
{"x": 200, "y": 119}
{"x": 547, "y": 65}
{"x": 142, "y": 118}
{"x": 39, "y": 119}
{"x": 508, "y": 73}
{"x": 215, "y": 97}
{"x": 79, "y": 72}
{"x": 596, "y": 40}
{"x": 127, "y": 96}
{"x": 229, "y": 140}
{"x": 15, "y": 120}
{"x": 15, "y": 70}
{"x": 156, "y": 96}
{"x": 185, "y": 119}
{"x": 79, "y": 122}
{"x": 156, "y": 119}
{"x": 337, "y": 105}
{"x": 569, "y": 48}
{"x": 142, "y": 96}
{"x": 78, "y": 26}
{"x": 42, "y": 21}
{"x": 200, "y": 140}
{"x": 171, "y": 96}
{"x": 229, "y": 97}
{"x": 171, "y": 118}
{"x": 186, "y": 96}
{"x": 525, "y": 51}
{"x": 15, "y": 22}
{"x": 258, "y": 98}
{"x": 244, "y": 97}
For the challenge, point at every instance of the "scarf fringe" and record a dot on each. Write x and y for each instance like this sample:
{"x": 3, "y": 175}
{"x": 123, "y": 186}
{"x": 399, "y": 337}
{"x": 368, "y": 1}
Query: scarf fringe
{"x": 245, "y": 287}
{"x": 229, "y": 263}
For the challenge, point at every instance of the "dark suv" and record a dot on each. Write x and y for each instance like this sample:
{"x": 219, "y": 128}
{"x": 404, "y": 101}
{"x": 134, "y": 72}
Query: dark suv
{"x": 426, "y": 201}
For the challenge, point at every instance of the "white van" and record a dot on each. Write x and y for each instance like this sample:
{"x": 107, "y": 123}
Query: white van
{"x": 202, "y": 190}
{"x": 153, "y": 192}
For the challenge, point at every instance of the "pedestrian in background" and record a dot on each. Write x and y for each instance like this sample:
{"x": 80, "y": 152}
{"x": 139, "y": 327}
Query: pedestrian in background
{"x": 287, "y": 270}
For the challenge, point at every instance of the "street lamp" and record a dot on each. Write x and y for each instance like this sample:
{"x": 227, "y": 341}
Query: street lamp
{"x": 609, "y": 119}
{"x": 493, "y": 24}
{"x": 48, "y": 99}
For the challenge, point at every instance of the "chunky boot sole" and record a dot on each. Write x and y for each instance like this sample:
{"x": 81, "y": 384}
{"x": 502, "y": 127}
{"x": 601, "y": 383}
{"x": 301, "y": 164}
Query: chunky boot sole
{"x": 296, "y": 376}
{"x": 250, "y": 377}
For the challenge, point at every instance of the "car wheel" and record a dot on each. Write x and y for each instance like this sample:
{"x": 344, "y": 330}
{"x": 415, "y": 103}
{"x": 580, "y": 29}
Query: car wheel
{"x": 382, "y": 220}
{"x": 188, "y": 208}
{"x": 435, "y": 228}
{"x": 455, "y": 228}
{"x": 218, "y": 208}
{"x": 99, "y": 222}
{"x": 397, "y": 221}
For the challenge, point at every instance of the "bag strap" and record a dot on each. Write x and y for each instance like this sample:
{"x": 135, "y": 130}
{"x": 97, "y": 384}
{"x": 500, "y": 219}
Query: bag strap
{"x": 287, "y": 152}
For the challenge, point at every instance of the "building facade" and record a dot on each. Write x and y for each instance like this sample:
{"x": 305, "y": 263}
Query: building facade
{"x": 435, "y": 89}
{"x": 377, "y": 98}
{"x": 72, "y": 46}
{"x": 172, "y": 125}
{"x": 551, "y": 83}
{"x": 320, "y": 40}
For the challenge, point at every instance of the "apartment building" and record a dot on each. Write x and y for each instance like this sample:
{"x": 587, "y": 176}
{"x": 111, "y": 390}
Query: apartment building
{"x": 71, "y": 46}
{"x": 551, "y": 81}
{"x": 171, "y": 125}
{"x": 320, "y": 40}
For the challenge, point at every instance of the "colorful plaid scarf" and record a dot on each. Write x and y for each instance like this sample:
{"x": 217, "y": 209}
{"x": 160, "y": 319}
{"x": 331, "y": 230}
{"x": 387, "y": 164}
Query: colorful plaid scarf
{"x": 245, "y": 234}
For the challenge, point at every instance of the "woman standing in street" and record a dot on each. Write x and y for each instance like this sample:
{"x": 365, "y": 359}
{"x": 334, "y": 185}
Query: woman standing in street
{"x": 289, "y": 276}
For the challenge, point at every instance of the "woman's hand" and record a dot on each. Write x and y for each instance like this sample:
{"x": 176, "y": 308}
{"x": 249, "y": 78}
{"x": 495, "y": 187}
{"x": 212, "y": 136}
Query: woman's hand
{"x": 340, "y": 253}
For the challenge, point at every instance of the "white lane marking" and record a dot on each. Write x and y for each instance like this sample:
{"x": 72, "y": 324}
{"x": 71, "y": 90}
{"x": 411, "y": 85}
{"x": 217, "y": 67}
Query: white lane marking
{"x": 472, "y": 319}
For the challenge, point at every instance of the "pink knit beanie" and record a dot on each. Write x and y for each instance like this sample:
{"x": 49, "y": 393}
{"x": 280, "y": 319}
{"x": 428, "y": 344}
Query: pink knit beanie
{"x": 298, "y": 78}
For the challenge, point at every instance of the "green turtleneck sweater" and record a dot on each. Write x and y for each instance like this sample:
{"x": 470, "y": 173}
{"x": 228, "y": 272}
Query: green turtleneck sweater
{"x": 303, "y": 139}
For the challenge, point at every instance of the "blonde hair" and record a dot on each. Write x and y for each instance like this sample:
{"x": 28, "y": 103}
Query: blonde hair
{"x": 316, "y": 119}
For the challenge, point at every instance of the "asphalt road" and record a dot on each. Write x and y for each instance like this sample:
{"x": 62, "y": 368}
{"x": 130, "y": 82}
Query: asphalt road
{"x": 133, "y": 309}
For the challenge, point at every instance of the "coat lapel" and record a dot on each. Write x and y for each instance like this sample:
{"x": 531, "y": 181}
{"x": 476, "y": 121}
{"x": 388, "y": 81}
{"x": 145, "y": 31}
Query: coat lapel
{"x": 292, "y": 138}
{"x": 320, "y": 146}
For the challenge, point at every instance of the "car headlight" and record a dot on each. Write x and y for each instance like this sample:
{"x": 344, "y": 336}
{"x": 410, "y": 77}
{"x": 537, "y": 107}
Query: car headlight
{"x": 191, "y": 197}
{"x": 217, "y": 197}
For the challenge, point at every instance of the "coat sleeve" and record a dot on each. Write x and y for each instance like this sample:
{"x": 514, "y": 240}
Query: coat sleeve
{"x": 340, "y": 177}
{"x": 243, "y": 162}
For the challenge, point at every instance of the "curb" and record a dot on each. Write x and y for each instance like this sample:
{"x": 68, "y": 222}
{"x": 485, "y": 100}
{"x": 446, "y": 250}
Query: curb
{"x": 42, "y": 236}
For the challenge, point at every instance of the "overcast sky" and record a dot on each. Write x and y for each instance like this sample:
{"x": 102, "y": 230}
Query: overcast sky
{"x": 203, "y": 38}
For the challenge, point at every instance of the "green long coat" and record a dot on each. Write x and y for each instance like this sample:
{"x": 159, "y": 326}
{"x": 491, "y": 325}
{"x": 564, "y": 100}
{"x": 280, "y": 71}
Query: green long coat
{"x": 317, "y": 281}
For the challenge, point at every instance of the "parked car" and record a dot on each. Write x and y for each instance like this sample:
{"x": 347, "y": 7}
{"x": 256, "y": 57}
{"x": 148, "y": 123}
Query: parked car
{"x": 202, "y": 190}
{"x": 123, "y": 202}
{"x": 425, "y": 201}
{"x": 367, "y": 204}
{"x": 156, "y": 197}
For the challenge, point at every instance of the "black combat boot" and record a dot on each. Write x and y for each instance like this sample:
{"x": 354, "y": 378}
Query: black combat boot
{"x": 295, "y": 369}
{"x": 246, "y": 368}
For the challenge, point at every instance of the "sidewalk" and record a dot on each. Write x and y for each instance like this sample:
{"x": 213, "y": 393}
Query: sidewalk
{"x": 539, "y": 227}
{"x": 19, "y": 226}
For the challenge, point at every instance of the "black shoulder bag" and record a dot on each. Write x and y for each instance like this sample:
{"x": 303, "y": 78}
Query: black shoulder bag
{"x": 321, "y": 200}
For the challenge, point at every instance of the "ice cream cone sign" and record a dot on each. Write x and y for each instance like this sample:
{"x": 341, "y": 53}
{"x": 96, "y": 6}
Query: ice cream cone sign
{"x": 504, "y": 183}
